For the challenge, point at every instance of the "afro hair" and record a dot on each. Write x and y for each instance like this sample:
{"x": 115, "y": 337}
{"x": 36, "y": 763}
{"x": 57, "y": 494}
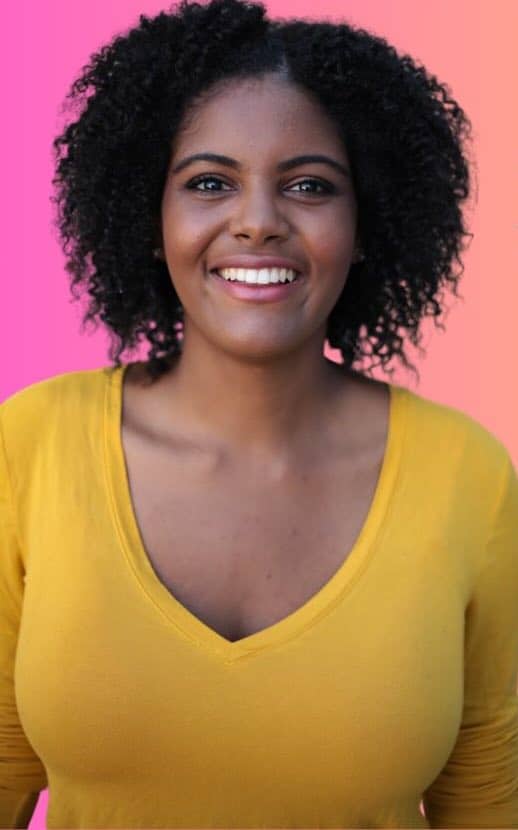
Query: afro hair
{"x": 403, "y": 132}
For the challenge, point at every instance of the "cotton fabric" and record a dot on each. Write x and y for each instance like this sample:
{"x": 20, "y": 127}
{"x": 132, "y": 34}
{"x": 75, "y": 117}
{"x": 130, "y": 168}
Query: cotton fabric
{"x": 395, "y": 682}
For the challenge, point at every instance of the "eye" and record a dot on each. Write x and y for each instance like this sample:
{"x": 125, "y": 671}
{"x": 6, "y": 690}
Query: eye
{"x": 193, "y": 185}
{"x": 325, "y": 186}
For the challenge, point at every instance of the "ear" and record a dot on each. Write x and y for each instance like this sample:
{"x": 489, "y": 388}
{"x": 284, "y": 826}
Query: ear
{"x": 358, "y": 255}
{"x": 158, "y": 242}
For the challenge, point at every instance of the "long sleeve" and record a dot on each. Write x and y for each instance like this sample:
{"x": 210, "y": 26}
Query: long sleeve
{"x": 479, "y": 785}
{"x": 22, "y": 774}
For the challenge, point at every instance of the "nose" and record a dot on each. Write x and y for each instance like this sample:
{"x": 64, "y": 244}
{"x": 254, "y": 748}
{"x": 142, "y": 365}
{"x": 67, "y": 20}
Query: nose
{"x": 257, "y": 215}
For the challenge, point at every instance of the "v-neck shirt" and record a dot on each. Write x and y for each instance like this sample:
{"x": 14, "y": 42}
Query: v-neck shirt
{"x": 392, "y": 689}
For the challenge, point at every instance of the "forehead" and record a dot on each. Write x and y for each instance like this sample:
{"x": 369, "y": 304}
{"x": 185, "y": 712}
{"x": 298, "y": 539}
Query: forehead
{"x": 256, "y": 113}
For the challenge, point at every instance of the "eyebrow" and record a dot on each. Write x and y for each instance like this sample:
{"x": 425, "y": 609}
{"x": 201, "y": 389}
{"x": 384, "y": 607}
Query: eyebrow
{"x": 281, "y": 167}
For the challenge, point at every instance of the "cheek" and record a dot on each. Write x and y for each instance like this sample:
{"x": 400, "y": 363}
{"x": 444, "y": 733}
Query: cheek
{"x": 333, "y": 253}
{"x": 332, "y": 234}
{"x": 343, "y": 228}
{"x": 183, "y": 222}
{"x": 185, "y": 236}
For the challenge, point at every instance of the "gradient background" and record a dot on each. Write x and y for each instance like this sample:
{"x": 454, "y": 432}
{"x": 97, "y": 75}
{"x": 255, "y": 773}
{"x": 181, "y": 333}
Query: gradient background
{"x": 467, "y": 44}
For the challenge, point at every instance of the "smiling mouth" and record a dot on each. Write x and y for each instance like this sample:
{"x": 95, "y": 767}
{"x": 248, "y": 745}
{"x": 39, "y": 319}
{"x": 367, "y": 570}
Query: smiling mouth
{"x": 214, "y": 272}
{"x": 256, "y": 292}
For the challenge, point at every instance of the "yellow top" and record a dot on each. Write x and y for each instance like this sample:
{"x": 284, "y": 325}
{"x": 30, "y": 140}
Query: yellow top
{"x": 394, "y": 683}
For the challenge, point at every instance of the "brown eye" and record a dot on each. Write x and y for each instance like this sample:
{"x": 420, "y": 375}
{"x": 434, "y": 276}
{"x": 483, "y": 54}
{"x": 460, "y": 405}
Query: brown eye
{"x": 192, "y": 185}
{"x": 325, "y": 187}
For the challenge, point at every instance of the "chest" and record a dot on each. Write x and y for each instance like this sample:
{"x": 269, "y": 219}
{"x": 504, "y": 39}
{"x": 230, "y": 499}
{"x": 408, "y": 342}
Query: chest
{"x": 241, "y": 551}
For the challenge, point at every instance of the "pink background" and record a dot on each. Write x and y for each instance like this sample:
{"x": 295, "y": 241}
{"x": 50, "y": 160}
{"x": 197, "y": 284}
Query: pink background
{"x": 469, "y": 45}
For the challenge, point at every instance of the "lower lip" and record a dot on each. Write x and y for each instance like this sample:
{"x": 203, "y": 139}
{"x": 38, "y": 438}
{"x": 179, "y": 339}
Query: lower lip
{"x": 257, "y": 293}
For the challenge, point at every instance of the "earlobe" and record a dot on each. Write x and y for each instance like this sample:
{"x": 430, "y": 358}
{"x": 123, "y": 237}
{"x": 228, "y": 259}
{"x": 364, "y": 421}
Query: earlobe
{"x": 358, "y": 255}
{"x": 158, "y": 247}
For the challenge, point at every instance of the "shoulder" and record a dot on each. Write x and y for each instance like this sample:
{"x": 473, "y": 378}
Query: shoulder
{"x": 48, "y": 389}
{"x": 442, "y": 442}
{"x": 49, "y": 392}
{"x": 444, "y": 437}
{"x": 50, "y": 407}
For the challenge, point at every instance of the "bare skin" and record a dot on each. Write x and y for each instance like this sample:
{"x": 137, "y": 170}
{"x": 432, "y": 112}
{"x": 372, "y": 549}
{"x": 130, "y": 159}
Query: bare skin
{"x": 241, "y": 546}
{"x": 253, "y": 462}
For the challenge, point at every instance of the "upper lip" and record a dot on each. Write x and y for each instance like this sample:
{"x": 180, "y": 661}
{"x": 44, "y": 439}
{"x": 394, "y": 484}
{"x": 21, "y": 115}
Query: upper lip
{"x": 251, "y": 261}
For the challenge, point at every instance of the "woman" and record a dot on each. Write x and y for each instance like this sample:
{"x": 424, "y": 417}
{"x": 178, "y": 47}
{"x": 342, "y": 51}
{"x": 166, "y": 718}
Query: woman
{"x": 243, "y": 585}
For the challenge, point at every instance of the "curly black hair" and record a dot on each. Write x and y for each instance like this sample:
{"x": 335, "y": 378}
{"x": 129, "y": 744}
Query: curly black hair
{"x": 404, "y": 135}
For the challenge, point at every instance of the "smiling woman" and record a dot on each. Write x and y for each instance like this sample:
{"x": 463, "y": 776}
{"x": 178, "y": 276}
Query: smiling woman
{"x": 242, "y": 585}
{"x": 271, "y": 202}
{"x": 393, "y": 138}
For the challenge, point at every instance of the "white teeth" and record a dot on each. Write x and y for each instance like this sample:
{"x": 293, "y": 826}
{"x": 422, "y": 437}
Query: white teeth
{"x": 258, "y": 275}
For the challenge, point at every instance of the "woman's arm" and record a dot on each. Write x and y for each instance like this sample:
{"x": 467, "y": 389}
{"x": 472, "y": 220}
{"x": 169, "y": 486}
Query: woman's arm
{"x": 479, "y": 785}
{"x": 16, "y": 808}
{"x": 22, "y": 774}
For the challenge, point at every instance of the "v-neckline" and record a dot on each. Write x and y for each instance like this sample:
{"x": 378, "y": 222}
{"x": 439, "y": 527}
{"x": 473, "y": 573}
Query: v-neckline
{"x": 320, "y": 603}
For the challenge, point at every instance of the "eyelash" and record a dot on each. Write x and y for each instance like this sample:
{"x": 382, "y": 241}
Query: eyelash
{"x": 191, "y": 185}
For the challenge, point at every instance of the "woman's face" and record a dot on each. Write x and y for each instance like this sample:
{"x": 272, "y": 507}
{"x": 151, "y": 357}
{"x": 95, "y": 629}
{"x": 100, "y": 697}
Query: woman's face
{"x": 306, "y": 213}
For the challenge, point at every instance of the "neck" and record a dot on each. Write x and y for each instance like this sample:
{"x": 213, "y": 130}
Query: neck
{"x": 268, "y": 411}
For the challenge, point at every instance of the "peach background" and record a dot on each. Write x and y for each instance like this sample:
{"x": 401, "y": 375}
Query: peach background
{"x": 470, "y": 45}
